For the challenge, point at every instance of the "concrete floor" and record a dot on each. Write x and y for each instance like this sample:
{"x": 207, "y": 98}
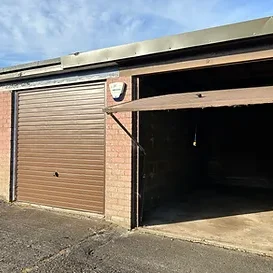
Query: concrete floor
{"x": 228, "y": 217}
{"x": 41, "y": 241}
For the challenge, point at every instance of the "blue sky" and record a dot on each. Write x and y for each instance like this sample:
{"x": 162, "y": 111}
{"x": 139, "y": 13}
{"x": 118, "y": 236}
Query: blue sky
{"x": 40, "y": 29}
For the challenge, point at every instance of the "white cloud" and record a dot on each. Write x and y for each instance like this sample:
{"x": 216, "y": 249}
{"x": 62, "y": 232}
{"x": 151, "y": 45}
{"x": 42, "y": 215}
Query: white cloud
{"x": 41, "y": 29}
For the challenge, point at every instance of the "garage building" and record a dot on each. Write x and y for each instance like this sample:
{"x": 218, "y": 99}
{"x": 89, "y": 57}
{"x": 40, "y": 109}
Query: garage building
{"x": 171, "y": 134}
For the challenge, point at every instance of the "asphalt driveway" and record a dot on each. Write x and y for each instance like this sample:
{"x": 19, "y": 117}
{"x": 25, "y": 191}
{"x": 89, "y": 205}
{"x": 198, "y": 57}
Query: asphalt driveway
{"x": 34, "y": 240}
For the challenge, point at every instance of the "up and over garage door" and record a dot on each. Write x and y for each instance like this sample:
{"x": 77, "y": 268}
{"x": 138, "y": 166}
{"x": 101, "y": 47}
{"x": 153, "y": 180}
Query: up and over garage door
{"x": 61, "y": 147}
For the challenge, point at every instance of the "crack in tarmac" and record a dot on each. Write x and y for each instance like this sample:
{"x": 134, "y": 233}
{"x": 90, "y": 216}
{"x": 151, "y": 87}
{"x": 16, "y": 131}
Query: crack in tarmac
{"x": 64, "y": 251}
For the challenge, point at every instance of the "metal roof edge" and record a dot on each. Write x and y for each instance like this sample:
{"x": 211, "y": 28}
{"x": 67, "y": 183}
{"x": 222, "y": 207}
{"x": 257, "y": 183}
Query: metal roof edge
{"x": 112, "y": 55}
{"x": 231, "y": 32}
{"x": 31, "y": 65}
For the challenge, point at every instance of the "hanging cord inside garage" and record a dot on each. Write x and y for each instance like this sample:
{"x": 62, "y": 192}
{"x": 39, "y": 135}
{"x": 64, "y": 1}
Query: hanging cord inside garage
{"x": 143, "y": 175}
{"x": 197, "y": 118}
{"x": 195, "y": 137}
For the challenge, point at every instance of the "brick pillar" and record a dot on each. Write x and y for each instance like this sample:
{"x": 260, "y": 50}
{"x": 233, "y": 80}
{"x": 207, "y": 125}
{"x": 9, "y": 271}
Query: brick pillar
{"x": 5, "y": 143}
{"x": 118, "y": 162}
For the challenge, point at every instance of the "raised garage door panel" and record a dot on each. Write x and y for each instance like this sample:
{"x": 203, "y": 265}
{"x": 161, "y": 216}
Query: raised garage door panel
{"x": 198, "y": 99}
{"x": 61, "y": 147}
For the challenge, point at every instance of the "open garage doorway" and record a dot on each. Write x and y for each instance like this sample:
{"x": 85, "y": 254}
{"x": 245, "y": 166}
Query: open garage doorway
{"x": 209, "y": 172}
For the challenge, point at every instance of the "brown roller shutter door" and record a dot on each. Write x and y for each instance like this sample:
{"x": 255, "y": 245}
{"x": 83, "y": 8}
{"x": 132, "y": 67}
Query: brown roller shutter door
{"x": 61, "y": 147}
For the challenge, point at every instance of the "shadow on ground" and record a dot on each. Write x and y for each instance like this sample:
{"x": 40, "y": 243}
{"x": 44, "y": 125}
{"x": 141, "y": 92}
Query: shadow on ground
{"x": 211, "y": 202}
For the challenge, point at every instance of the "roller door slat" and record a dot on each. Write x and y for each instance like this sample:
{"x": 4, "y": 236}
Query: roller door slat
{"x": 61, "y": 171}
{"x": 48, "y": 128}
{"x": 61, "y": 180}
{"x": 61, "y": 91}
{"x": 68, "y": 156}
{"x": 73, "y": 164}
{"x": 73, "y": 199}
{"x": 63, "y": 123}
{"x": 51, "y": 194}
{"x": 56, "y": 138}
{"x": 96, "y": 208}
{"x": 60, "y": 113}
{"x": 62, "y": 109}
{"x": 96, "y": 103}
{"x": 67, "y": 99}
{"x": 77, "y": 133}
{"x": 66, "y": 117}
{"x": 92, "y": 189}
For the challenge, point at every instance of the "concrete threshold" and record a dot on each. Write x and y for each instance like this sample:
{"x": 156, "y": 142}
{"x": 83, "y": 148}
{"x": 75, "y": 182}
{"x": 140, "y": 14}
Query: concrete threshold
{"x": 147, "y": 230}
{"x": 254, "y": 236}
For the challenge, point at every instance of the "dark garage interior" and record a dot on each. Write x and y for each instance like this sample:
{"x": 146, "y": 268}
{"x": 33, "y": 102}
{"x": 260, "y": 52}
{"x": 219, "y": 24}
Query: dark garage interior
{"x": 206, "y": 163}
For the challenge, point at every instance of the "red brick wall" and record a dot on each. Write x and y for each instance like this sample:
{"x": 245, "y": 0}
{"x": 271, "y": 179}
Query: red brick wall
{"x": 5, "y": 143}
{"x": 118, "y": 162}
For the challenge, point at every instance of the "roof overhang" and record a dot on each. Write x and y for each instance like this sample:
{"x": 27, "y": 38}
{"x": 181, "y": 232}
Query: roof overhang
{"x": 227, "y": 33}
{"x": 114, "y": 56}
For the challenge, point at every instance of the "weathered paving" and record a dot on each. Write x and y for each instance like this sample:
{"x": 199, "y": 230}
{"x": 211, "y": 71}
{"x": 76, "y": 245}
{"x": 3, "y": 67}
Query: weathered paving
{"x": 33, "y": 240}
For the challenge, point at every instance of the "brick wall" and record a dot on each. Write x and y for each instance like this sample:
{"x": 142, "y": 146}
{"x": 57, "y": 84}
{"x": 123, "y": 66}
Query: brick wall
{"x": 5, "y": 143}
{"x": 118, "y": 162}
